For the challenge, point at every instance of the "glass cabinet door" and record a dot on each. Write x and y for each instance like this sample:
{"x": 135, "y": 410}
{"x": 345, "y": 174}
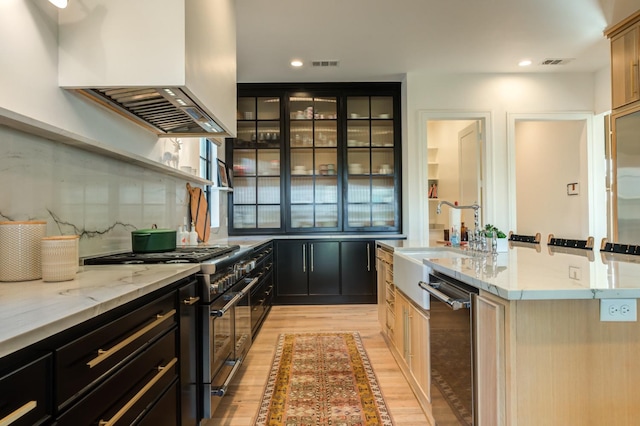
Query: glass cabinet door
{"x": 256, "y": 165}
{"x": 313, "y": 142}
{"x": 371, "y": 193}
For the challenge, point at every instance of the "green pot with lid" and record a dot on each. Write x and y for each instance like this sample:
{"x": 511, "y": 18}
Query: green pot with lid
{"x": 153, "y": 240}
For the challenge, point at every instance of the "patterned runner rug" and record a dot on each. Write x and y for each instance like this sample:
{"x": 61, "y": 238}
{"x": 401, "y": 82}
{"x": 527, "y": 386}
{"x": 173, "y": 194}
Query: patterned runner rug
{"x": 322, "y": 379}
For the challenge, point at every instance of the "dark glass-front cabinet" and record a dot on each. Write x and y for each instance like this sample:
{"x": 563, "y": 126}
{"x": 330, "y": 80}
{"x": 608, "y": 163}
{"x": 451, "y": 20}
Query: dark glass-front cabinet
{"x": 316, "y": 158}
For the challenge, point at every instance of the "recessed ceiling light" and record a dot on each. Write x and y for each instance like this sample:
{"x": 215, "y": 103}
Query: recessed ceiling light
{"x": 296, "y": 63}
{"x": 524, "y": 63}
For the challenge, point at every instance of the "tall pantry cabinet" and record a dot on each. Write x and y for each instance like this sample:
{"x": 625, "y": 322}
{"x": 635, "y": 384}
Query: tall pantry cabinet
{"x": 316, "y": 158}
{"x": 313, "y": 160}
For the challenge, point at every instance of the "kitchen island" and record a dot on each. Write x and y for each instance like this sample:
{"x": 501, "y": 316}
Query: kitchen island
{"x": 542, "y": 354}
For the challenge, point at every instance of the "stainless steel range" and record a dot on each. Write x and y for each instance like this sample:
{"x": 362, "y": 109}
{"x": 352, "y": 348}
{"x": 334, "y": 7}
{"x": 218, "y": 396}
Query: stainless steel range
{"x": 227, "y": 324}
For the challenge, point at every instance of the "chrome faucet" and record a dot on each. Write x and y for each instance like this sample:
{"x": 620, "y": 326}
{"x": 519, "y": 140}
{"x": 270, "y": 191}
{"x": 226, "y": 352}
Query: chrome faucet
{"x": 475, "y": 241}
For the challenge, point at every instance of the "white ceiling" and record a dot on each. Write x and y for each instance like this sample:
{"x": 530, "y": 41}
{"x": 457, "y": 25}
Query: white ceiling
{"x": 381, "y": 40}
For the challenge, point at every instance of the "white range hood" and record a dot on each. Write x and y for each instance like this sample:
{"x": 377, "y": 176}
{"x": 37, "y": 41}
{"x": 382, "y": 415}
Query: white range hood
{"x": 169, "y": 65}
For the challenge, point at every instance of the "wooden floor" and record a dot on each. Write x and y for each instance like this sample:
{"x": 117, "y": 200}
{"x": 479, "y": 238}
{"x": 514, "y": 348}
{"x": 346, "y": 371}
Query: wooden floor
{"x": 240, "y": 404}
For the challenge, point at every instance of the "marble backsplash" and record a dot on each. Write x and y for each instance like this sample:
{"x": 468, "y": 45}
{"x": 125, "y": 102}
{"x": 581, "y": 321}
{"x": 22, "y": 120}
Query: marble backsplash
{"x": 99, "y": 198}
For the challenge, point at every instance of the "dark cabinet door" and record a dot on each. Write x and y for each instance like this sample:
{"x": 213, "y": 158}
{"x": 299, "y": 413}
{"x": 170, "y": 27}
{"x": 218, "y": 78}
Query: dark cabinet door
{"x": 188, "y": 323}
{"x": 292, "y": 268}
{"x": 358, "y": 271}
{"x": 324, "y": 268}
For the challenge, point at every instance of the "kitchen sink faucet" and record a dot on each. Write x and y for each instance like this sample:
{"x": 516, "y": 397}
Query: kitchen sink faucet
{"x": 476, "y": 242}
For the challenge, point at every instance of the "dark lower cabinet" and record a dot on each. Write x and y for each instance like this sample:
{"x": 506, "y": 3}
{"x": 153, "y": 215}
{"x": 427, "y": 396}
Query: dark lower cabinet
{"x": 357, "y": 274}
{"x": 127, "y": 396}
{"x": 134, "y": 364}
{"x": 325, "y": 272}
{"x": 25, "y": 395}
{"x": 188, "y": 333}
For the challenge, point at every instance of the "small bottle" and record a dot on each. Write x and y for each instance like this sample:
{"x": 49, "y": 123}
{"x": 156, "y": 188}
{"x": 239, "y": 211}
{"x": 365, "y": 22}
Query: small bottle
{"x": 455, "y": 237}
{"x": 184, "y": 236}
{"x": 179, "y": 236}
{"x": 463, "y": 232}
{"x": 193, "y": 235}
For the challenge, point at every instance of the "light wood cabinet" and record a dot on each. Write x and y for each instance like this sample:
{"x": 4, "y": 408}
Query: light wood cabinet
{"x": 490, "y": 361}
{"x": 386, "y": 290}
{"x": 411, "y": 341}
{"x": 553, "y": 362}
{"x": 625, "y": 61}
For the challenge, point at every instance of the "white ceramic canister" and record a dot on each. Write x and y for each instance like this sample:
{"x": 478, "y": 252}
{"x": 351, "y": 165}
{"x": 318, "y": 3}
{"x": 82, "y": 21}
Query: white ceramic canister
{"x": 20, "y": 250}
{"x": 59, "y": 258}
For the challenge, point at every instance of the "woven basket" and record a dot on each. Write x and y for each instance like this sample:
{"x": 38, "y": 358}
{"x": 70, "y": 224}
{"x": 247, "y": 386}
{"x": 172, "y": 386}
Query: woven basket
{"x": 20, "y": 250}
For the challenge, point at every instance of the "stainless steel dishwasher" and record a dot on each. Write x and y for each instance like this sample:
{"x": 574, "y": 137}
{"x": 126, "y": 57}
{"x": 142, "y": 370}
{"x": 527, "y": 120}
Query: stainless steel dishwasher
{"x": 451, "y": 348}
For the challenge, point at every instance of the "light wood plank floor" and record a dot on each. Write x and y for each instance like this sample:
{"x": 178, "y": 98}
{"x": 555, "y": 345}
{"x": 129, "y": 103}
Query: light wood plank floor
{"x": 240, "y": 405}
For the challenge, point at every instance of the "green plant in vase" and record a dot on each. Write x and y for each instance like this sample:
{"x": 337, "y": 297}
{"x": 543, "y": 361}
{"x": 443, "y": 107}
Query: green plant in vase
{"x": 497, "y": 237}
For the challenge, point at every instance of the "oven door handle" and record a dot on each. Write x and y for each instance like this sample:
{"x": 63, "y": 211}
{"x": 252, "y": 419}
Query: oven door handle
{"x": 454, "y": 304}
{"x": 234, "y": 301}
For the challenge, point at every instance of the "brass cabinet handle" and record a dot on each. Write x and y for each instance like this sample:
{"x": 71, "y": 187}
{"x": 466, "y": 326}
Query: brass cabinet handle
{"x": 19, "y": 413}
{"x": 102, "y": 354}
{"x": 634, "y": 76}
{"x": 191, "y": 300}
{"x": 161, "y": 372}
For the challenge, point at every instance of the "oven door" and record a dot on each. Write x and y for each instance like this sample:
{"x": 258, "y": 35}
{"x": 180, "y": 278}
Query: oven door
{"x": 218, "y": 359}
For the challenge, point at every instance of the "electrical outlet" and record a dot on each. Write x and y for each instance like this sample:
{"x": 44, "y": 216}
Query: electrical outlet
{"x": 618, "y": 310}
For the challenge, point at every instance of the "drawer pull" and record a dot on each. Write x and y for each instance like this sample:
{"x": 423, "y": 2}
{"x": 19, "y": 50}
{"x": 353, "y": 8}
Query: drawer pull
{"x": 191, "y": 301}
{"x": 102, "y": 354}
{"x": 161, "y": 372}
{"x": 19, "y": 413}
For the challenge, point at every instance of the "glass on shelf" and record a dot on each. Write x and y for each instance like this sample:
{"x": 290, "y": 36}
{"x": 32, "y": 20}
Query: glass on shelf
{"x": 382, "y": 161}
{"x": 246, "y": 133}
{"x": 326, "y": 216}
{"x": 357, "y": 107}
{"x": 269, "y": 162}
{"x": 383, "y": 215}
{"x": 269, "y": 216}
{"x": 244, "y": 217}
{"x": 246, "y": 108}
{"x": 358, "y": 133}
{"x": 359, "y": 215}
{"x": 244, "y": 162}
{"x": 325, "y": 134}
{"x": 268, "y": 135}
{"x": 268, "y": 108}
{"x": 325, "y": 108}
{"x": 382, "y": 133}
{"x": 301, "y": 134}
{"x": 382, "y": 107}
{"x": 302, "y": 216}
{"x": 301, "y": 162}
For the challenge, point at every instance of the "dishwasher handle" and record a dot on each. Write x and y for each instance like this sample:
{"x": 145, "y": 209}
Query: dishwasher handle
{"x": 455, "y": 304}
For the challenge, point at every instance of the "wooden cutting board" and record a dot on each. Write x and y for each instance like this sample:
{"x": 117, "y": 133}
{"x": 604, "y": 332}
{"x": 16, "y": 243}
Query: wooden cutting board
{"x": 200, "y": 212}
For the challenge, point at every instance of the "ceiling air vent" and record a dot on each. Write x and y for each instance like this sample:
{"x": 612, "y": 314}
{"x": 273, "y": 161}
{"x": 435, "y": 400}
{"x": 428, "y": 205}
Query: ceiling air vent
{"x": 325, "y": 63}
{"x": 557, "y": 61}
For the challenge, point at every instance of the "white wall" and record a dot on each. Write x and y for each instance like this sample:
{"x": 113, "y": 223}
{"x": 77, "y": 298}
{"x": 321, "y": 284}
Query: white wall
{"x": 29, "y": 83}
{"x": 74, "y": 191}
{"x": 549, "y": 155}
{"x": 497, "y": 94}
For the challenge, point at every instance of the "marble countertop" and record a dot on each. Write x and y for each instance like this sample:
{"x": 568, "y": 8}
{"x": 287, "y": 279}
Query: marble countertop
{"x": 542, "y": 272}
{"x": 33, "y": 310}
